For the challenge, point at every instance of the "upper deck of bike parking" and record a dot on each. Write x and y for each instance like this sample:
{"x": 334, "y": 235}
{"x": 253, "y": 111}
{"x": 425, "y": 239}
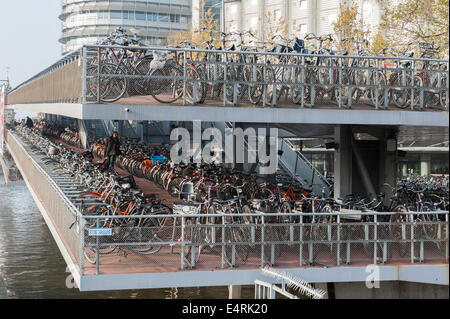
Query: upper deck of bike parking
{"x": 259, "y": 87}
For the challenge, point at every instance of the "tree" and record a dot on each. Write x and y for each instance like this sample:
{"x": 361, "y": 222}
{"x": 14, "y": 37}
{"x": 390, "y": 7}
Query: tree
{"x": 378, "y": 43}
{"x": 273, "y": 26}
{"x": 417, "y": 21}
{"x": 348, "y": 25}
{"x": 200, "y": 34}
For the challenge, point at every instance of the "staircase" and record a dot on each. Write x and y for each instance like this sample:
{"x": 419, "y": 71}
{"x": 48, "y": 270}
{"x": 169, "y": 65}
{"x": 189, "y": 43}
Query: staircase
{"x": 293, "y": 163}
{"x": 298, "y": 166}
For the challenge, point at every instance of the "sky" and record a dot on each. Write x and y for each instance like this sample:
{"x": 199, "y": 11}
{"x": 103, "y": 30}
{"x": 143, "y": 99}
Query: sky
{"x": 30, "y": 30}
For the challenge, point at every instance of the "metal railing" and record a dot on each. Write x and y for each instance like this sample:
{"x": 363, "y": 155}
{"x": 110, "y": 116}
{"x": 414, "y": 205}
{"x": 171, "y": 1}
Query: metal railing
{"x": 280, "y": 79}
{"x": 232, "y": 78}
{"x": 227, "y": 245}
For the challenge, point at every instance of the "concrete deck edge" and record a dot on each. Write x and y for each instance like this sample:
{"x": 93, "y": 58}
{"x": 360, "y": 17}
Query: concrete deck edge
{"x": 431, "y": 274}
{"x": 240, "y": 114}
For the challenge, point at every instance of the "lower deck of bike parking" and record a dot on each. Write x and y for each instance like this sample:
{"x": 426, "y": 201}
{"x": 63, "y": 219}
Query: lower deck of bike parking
{"x": 222, "y": 264}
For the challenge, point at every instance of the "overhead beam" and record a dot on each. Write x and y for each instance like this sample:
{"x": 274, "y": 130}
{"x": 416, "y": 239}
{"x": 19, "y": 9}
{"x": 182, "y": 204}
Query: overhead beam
{"x": 240, "y": 114}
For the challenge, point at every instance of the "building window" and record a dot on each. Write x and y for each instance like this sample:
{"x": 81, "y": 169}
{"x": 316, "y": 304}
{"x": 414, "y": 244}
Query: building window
{"x": 303, "y": 29}
{"x": 233, "y": 10}
{"x": 116, "y": 14}
{"x": 140, "y": 16}
{"x": 175, "y": 18}
{"x": 253, "y": 22}
{"x": 184, "y": 19}
{"x": 163, "y": 17}
{"x": 332, "y": 18}
{"x": 303, "y": 4}
{"x": 277, "y": 14}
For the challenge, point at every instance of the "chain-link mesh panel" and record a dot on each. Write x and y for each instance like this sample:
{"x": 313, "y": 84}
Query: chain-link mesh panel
{"x": 58, "y": 210}
{"x": 178, "y": 76}
{"x": 151, "y": 247}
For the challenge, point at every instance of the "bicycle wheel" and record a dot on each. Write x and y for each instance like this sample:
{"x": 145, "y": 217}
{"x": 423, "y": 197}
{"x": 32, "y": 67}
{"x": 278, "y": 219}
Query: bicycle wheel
{"x": 329, "y": 233}
{"x": 273, "y": 89}
{"x": 208, "y": 230}
{"x": 402, "y": 98}
{"x": 168, "y": 86}
{"x": 241, "y": 236}
{"x": 309, "y": 92}
{"x": 145, "y": 235}
{"x": 398, "y": 230}
{"x": 195, "y": 88}
{"x": 112, "y": 88}
{"x": 373, "y": 92}
{"x": 254, "y": 78}
{"x": 430, "y": 228}
{"x": 174, "y": 187}
{"x": 232, "y": 87}
{"x": 90, "y": 252}
{"x": 143, "y": 69}
{"x": 341, "y": 94}
{"x": 192, "y": 234}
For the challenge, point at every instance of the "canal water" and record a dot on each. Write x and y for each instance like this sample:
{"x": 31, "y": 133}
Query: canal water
{"x": 31, "y": 265}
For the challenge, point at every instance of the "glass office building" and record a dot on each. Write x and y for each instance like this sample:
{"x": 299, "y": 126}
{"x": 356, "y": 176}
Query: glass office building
{"x": 85, "y": 22}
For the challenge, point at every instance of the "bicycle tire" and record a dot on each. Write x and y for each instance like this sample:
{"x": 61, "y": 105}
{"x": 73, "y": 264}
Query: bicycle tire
{"x": 168, "y": 89}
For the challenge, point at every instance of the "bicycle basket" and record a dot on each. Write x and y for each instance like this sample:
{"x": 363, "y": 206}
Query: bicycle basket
{"x": 186, "y": 208}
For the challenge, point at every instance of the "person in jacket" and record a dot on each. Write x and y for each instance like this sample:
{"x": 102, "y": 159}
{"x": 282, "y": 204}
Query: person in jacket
{"x": 112, "y": 149}
{"x": 29, "y": 122}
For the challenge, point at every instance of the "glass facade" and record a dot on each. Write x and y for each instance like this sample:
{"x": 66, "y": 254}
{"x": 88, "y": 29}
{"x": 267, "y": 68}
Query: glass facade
{"x": 86, "y": 22}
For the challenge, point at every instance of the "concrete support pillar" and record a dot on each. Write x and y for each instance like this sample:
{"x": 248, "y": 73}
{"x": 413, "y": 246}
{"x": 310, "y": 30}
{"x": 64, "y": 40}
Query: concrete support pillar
{"x": 140, "y": 130}
{"x": 388, "y": 166}
{"x": 343, "y": 161}
{"x": 425, "y": 164}
{"x": 83, "y": 133}
{"x": 145, "y": 129}
{"x": 362, "y": 169}
{"x": 234, "y": 292}
{"x": 404, "y": 170}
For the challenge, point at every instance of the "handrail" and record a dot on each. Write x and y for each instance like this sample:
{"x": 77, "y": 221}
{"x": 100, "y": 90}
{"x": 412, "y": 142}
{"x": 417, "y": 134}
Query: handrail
{"x": 305, "y": 160}
{"x": 292, "y": 54}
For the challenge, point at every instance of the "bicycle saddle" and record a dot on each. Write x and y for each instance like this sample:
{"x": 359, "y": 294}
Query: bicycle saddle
{"x": 232, "y": 48}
